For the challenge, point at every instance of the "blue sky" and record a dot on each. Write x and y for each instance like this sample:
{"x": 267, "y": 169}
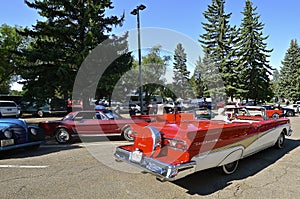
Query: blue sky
{"x": 280, "y": 18}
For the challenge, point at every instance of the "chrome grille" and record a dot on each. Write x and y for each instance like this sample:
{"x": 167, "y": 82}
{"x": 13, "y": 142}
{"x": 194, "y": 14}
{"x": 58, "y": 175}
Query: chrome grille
{"x": 19, "y": 134}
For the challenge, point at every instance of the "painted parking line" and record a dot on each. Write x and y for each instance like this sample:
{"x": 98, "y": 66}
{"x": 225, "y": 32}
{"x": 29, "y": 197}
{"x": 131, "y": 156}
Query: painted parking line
{"x": 116, "y": 143}
{"x": 23, "y": 166}
{"x": 57, "y": 146}
{"x": 103, "y": 143}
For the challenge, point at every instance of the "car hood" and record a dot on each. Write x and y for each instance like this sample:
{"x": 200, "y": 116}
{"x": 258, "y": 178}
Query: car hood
{"x": 4, "y": 123}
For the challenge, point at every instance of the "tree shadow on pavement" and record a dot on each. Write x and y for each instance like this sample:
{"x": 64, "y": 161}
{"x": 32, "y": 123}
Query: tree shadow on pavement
{"x": 42, "y": 150}
{"x": 212, "y": 180}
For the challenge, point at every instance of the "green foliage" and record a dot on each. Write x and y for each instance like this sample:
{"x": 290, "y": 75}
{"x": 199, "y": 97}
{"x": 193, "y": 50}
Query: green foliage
{"x": 117, "y": 69}
{"x": 197, "y": 81}
{"x": 253, "y": 68}
{"x": 289, "y": 78}
{"x": 240, "y": 55}
{"x": 214, "y": 85}
{"x": 153, "y": 72}
{"x": 275, "y": 85}
{"x": 181, "y": 77}
{"x": 10, "y": 42}
{"x": 153, "y": 77}
{"x": 217, "y": 43}
{"x": 69, "y": 31}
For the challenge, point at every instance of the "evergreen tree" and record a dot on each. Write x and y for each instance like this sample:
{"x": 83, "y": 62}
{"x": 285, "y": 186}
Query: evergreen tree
{"x": 275, "y": 84}
{"x": 289, "y": 78}
{"x": 115, "y": 71}
{"x": 254, "y": 69}
{"x": 181, "y": 74}
{"x": 218, "y": 41}
{"x": 197, "y": 81}
{"x": 213, "y": 83}
{"x": 69, "y": 31}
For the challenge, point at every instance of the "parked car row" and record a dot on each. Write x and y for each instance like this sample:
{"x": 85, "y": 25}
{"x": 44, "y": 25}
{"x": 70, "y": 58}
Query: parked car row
{"x": 50, "y": 107}
{"x": 169, "y": 146}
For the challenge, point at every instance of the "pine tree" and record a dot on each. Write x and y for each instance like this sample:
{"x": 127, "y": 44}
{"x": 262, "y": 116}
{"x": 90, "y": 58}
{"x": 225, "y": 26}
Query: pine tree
{"x": 218, "y": 42}
{"x": 197, "y": 81}
{"x": 213, "y": 83}
{"x": 69, "y": 31}
{"x": 275, "y": 84}
{"x": 254, "y": 69}
{"x": 181, "y": 74}
{"x": 289, "y": 78}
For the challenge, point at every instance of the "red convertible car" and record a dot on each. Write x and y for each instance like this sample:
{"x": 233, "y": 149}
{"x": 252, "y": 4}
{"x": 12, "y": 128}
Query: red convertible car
{"x": 174, "y": 150}
{"x": 89, "y": 123}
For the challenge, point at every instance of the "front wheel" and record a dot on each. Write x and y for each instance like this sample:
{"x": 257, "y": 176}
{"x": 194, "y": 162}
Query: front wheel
{"x": 230, "y": 167}
{"x": 280, "y": 141}
{"x": 63, "y": 136}
{"x": 127, "y": 134}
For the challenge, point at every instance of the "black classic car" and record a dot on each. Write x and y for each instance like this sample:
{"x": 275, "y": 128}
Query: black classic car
{"x": 14, "y": 133}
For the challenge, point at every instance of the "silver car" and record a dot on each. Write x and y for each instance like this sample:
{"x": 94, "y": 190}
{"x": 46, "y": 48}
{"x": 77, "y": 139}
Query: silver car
{"x": 9, "y": 108}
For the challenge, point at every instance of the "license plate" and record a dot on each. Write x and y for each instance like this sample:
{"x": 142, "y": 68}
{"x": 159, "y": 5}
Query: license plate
{"x": 136, "y": 156}
{"x": 7, "y": 142}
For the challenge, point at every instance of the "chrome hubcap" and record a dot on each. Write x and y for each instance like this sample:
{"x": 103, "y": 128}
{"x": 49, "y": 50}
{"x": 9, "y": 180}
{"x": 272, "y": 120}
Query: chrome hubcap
{"x": 62, "y": 136}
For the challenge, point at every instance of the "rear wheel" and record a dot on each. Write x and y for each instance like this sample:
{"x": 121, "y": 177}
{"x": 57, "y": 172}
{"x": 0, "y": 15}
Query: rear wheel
{"x": 275, "y": 116}
{"x": 40, "y": 113}
{"x": 289, "y": 113}
{"x": 63, "y": 136}
{"x": 230, "y": 167}
{"x": 280, "y": 141}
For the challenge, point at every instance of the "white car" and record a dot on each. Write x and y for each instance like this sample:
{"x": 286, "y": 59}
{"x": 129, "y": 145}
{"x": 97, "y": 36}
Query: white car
{"x": 9, "y": 108}
{"x": 293, "y": 106}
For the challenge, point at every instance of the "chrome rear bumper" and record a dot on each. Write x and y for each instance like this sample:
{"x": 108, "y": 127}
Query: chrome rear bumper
{"x": 163, "y": 171}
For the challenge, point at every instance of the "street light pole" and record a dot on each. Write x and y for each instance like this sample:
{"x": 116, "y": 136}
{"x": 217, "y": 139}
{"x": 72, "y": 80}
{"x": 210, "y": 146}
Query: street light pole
{"x": 136, "y": 11}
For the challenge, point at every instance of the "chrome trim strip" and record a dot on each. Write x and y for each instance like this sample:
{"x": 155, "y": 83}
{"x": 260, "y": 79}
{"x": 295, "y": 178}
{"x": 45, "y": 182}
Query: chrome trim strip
{"x": 97, "y": 135}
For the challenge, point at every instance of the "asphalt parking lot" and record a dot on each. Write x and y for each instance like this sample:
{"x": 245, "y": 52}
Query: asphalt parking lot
{"x": 88, "y": 170}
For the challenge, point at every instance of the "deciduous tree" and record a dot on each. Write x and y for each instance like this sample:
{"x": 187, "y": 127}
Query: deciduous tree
{"x": 10, "y": 42}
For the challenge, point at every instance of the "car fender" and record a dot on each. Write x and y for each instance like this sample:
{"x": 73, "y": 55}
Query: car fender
{"x": 71, "y": 129}
{"x": 233, "y": 156}
{"x": 124, "y": 127}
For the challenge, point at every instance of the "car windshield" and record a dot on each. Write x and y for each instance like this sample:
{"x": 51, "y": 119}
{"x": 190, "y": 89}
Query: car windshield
{"x": 108, "y": 114}
{"x": 70, "y": 116}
